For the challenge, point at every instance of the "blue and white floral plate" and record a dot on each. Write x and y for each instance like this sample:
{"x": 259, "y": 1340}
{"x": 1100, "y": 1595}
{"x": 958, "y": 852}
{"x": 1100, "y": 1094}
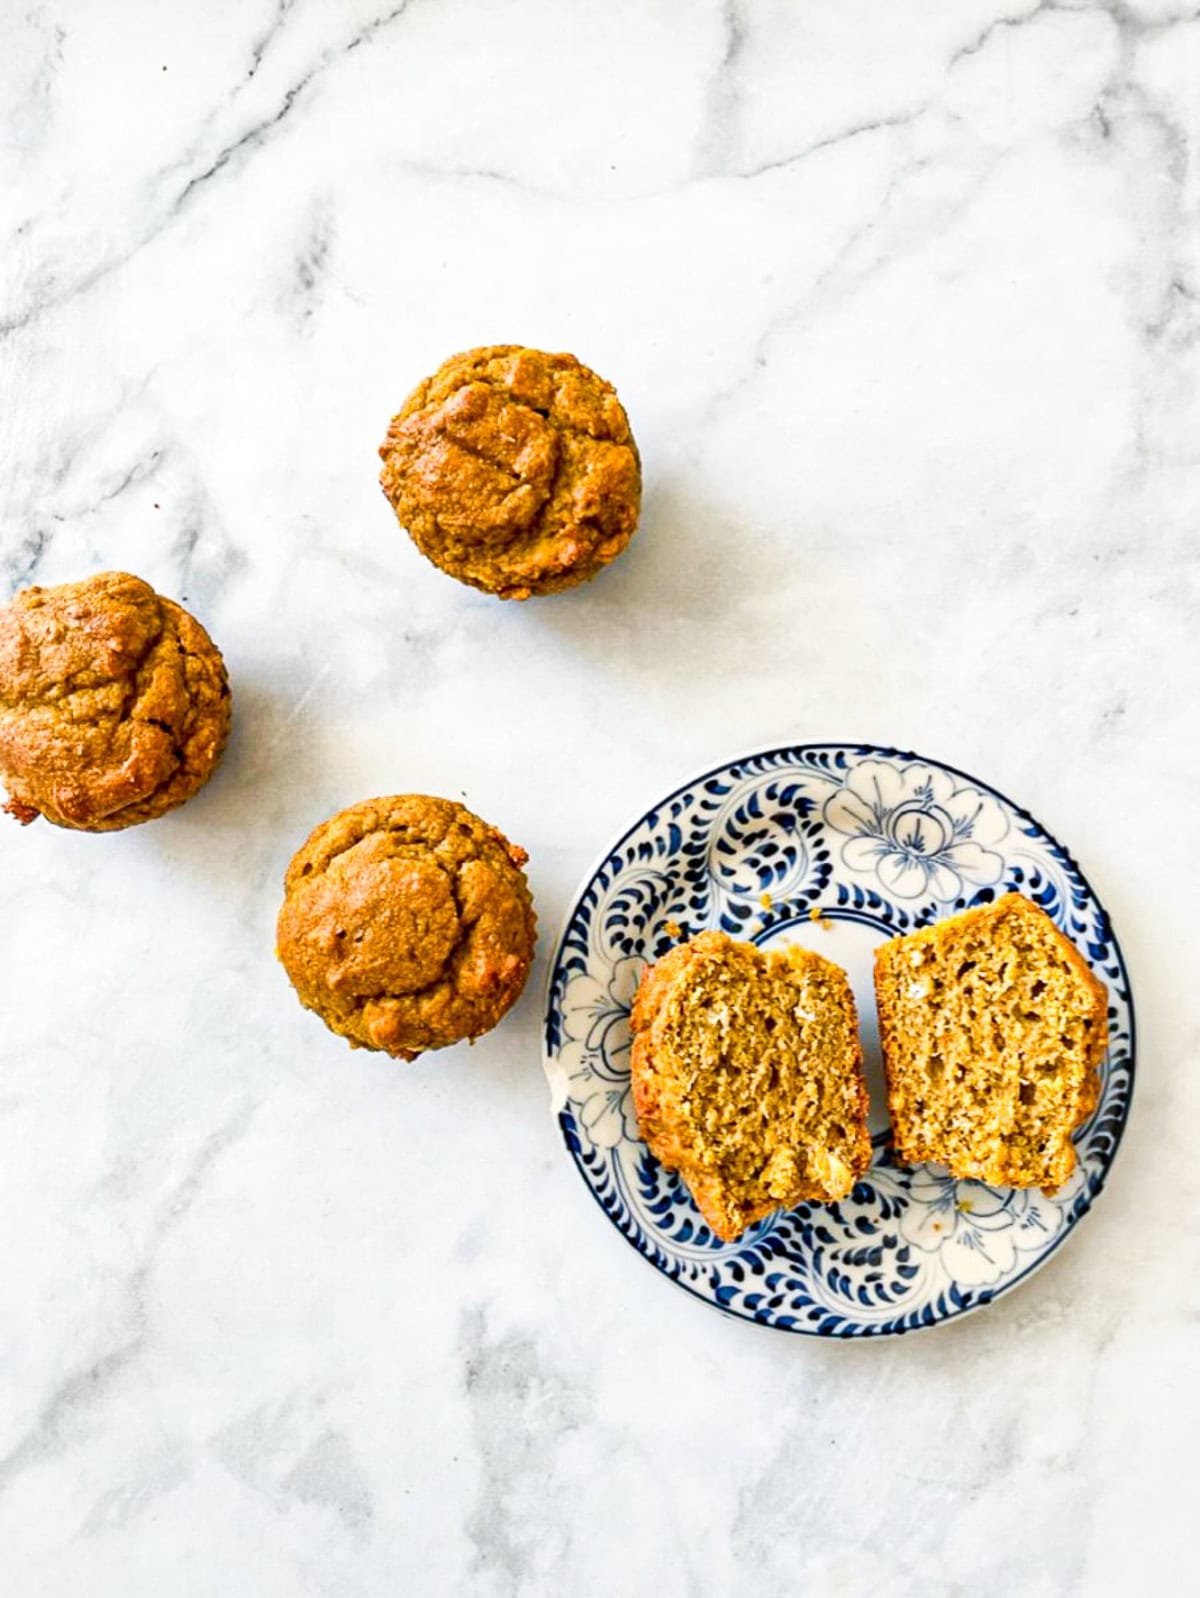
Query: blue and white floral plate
{"x": 877, "y": 842}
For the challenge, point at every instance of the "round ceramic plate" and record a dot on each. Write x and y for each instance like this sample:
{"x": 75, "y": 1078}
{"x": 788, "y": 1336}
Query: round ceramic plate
{"x": 836, "y": 846}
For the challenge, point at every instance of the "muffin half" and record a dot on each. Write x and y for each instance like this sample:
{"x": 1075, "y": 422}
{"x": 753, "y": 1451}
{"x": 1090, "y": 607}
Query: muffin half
{"x": 993, "y": 1028}
{"x": 747, "y": 1077}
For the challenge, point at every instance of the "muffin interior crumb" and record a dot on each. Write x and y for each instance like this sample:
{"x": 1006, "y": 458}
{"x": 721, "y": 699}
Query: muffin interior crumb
{"x": 991, "y": 1030}
{"x": 766, "y": 1111}
{"x": 748, "y": 1079}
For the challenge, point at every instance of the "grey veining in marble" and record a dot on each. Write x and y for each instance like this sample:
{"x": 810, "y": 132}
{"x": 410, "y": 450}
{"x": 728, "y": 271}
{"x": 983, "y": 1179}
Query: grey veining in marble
{"x": 904, "y": 303}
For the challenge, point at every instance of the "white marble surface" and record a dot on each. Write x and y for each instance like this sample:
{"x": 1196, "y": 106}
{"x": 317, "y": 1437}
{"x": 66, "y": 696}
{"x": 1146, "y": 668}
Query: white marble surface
{"x": 904, "y": 303}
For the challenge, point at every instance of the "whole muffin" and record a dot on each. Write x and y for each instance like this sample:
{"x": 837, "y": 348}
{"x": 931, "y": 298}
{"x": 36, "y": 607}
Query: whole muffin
{"x": 407, "y": 924}
{"x": 514, "y": 471}
{"x": 114, "y": 704}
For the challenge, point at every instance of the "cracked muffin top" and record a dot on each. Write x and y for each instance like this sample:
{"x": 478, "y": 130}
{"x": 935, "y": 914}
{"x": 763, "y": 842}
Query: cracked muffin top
{"x": 114, "y": 703}
{"x": 514, "y": 471}
{"x": 407, "y": 924}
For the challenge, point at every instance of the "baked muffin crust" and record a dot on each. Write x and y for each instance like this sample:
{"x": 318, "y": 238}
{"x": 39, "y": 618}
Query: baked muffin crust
{"x": 514, "y": 471}
{"x": 114, "y": 703}
{"x": 407, "y": 924}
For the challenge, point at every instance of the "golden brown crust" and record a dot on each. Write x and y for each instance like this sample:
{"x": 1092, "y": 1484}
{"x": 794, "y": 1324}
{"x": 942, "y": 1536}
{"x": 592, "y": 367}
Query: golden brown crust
{"x": 1002, "y": 1132}
{"x": 514, "y": 471}
{"x": 114, "y": 703}
{"x": 795, "y": 1155}
{"x": 407, "y": 924}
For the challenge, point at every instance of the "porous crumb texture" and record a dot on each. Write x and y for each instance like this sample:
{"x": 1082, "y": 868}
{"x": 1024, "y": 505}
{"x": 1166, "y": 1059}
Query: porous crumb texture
{"x": 514, "y": 471}
{"x": 407, "y": 924}
{"x": 993, "y": 1028}
{"x": 747, "y": 1077}
{"x": 114, "y": 703}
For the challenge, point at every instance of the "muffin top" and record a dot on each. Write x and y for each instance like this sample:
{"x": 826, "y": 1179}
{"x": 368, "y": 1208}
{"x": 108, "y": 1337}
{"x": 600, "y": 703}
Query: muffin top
{"x": 514, "y": 471}
{"x": 114, "y": 703}
{"x": 407, "y": 924}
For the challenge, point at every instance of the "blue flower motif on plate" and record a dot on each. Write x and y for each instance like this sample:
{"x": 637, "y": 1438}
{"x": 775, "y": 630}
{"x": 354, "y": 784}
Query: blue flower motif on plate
{"x": 978, "y": 1232}
{"x": 595, "y": 1051}
{"x": 924, "y": 832}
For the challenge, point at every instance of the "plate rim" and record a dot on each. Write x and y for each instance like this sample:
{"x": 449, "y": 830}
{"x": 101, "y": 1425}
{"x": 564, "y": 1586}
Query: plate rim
{"x": 859, "y": 1333}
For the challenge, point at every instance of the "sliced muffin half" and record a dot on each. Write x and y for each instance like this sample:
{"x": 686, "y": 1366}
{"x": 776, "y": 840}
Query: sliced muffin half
{"x": 993, "y": 1028}
{"x": 747, "y": 1077}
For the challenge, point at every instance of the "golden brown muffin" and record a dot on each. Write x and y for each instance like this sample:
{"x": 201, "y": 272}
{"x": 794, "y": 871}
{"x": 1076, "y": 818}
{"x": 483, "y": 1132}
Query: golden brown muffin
{"x": 514, "y": 471}
{"x": 407, "y": 924}
{"x": 114, "y": 704}
{"x": 747, "y": 1077}
{"x": 992, "y": 1027}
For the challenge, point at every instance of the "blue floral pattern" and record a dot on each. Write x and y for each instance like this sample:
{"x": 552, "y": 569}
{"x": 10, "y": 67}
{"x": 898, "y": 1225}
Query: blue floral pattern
{"x": 872, "y": 835}
{"x": 977, "y": 1233}
{"x": 922, "y": 831}
{"x": 595, "y": 1051}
